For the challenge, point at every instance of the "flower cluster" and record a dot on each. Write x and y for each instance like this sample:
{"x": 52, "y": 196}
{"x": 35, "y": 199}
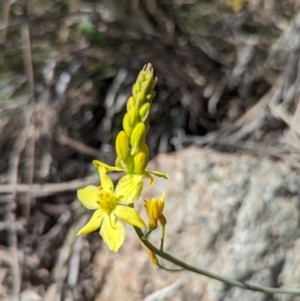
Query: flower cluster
{"x": 114, "y": 204}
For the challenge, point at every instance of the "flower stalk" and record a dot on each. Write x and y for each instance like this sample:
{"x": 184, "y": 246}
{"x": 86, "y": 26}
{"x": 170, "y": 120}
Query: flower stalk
{"x": 113, "y": 204}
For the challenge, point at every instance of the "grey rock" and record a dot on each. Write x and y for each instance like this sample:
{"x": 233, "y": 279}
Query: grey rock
{"x": 233, "y": 214}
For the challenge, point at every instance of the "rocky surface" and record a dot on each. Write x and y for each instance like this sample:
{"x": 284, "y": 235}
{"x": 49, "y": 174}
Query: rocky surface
{"x": 234, "y": 214}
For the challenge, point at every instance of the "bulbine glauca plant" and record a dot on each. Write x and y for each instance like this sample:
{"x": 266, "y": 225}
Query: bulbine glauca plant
{"x": 114, "y": 204}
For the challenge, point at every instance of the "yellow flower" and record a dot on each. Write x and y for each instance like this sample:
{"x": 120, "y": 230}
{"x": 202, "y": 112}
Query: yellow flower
{"x": 110, "y": 204}
{"x": 147, "y": 173}
{"x": 155, "y": 209}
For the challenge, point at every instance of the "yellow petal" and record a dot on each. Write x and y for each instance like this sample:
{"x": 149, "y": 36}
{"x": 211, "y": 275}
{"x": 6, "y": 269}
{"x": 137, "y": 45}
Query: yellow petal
{"x": 106, "y": 182}
{"x": 112, "y": 232}
{"x": 129, "y": 189}
{"x": 161, "y": 202}
{"x": 93, "y": 224}
{"x": 108, "y": 168}
{"x": 159, "y": 173}
{"x": 153, "y": 212}
{"x": 130, "y": 216}
{"x": 89, "y": 197}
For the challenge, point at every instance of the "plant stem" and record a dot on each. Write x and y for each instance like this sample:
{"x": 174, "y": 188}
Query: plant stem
{"x": 228, "y": 281}
{"x": 162, "y": 238}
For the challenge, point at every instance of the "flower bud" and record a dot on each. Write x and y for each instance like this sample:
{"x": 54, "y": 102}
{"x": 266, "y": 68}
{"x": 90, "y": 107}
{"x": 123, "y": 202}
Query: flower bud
{"x": 145, "y": 86}
{"x": 139, "y": 99}
{"x": 149, "y": 76}
{"x": 126, "y": 125}
{"x": 144, "y": 111}
{"x": 150, "y": 96}
{"x": 133, "y": 117}
{"x": 135, "y": 88}
{"x": 162, "y": 219}
{"x": 122, "y": 146}
{"x": 130, "y": 103}
{"x": 154, "y": 208}
{"x": 137, "y": 137}
{"x": 141, "y": 159}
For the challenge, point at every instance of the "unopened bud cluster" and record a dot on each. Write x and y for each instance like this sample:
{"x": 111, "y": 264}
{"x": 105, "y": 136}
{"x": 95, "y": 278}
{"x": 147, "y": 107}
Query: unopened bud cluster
{"x": 132, "y": 151}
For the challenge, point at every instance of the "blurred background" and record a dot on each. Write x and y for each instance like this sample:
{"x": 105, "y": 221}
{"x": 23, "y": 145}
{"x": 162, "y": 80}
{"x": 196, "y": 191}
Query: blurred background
{"x": 228, "y": 79}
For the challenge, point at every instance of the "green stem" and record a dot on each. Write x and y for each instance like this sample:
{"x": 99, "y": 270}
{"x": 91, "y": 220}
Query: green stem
{"x": 169, "y": 270}
{"x": 146, "y": 235}
{"x": 162, "y": 238}
{"x": 228, "y": 281}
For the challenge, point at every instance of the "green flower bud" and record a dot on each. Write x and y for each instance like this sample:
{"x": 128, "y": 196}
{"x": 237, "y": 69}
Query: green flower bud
{"x": 137, "y": 137}
{"x": 139, "y": 99}
{"x": 130, "y": 103}
{"x": 149, "y": 76}
{"x": 144, "y": 111}
{"x": 141, "y": 159}
{"x": 133, "y": 117}
{"x": 126, "y": 125}
{"x": 135, "y": 89}
{"x": 141, "y": 76}
{"x": 145, "y": 86}
{"x": 122, "y": 146}
{"x": 149, "y": 97}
